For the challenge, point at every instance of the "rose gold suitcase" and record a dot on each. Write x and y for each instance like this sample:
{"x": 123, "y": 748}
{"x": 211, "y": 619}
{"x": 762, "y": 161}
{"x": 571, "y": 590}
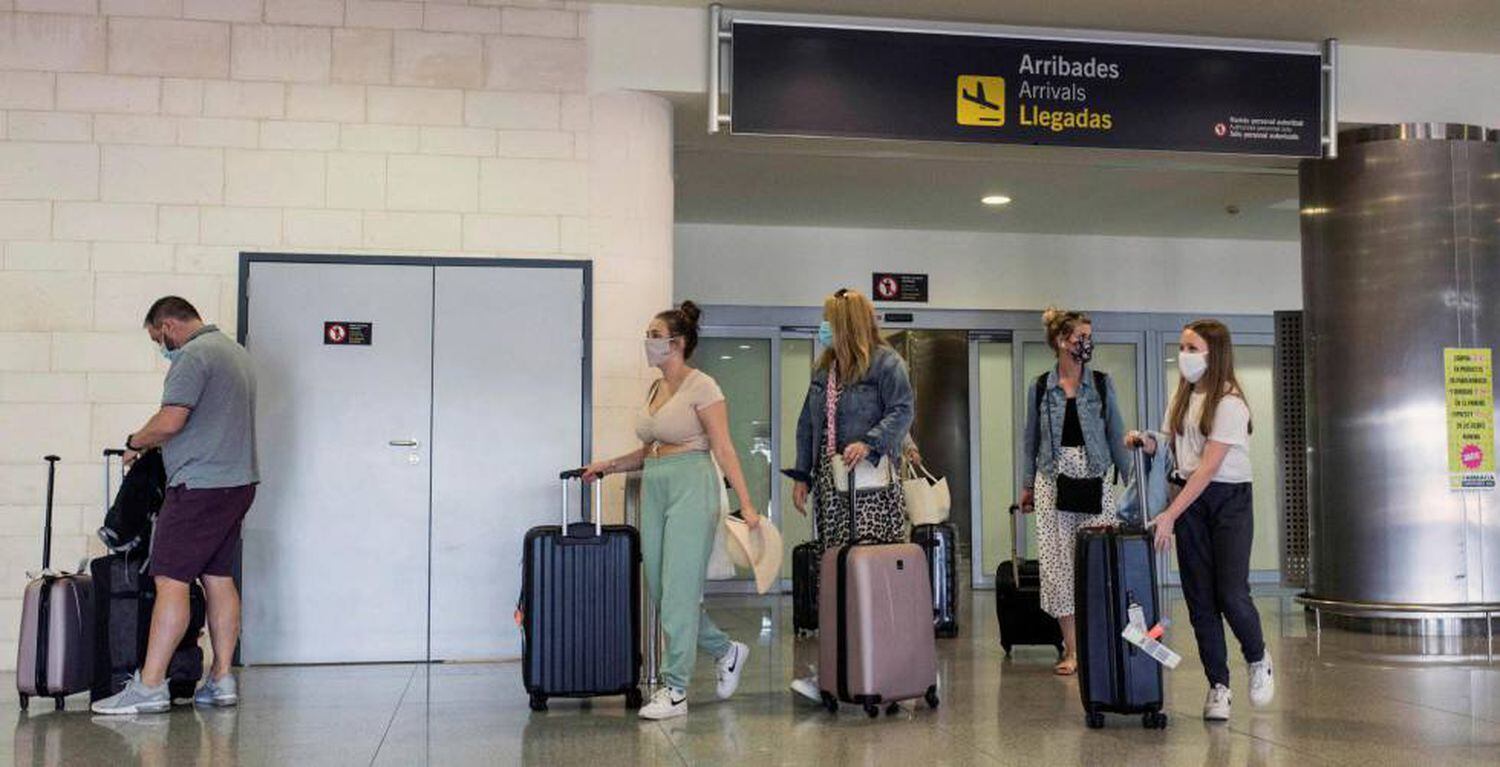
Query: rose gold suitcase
{"x": 875, "y": 638}
{"x": 55, "y": 655}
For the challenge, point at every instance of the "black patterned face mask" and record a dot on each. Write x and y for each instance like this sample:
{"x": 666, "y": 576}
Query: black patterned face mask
{"x": 1083, "y": 350}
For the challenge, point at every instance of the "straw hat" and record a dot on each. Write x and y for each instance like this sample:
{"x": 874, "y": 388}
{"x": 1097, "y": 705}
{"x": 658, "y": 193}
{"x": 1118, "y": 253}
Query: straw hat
{"x": 758, "y": 549}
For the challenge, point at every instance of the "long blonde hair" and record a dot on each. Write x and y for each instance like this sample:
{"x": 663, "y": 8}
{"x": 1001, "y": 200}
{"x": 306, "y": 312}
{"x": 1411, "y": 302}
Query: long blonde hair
{"x": 1219, "y": 381}
{"x": 856, "y": 336}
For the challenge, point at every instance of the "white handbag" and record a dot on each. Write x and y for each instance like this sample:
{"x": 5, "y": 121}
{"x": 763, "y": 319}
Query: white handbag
{"x": 928, "y": 501}
{"x": 720, "y": 565}
{"x": 867, "y": 476}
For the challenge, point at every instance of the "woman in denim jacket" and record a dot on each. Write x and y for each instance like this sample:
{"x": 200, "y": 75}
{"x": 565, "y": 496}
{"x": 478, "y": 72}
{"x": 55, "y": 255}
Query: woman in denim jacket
{"x": 862, "y": 382}
{"x": 1074, "y": 434}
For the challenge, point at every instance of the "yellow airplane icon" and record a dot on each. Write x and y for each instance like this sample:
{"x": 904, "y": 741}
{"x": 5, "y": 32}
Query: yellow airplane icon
{"x": 981, "y": 100}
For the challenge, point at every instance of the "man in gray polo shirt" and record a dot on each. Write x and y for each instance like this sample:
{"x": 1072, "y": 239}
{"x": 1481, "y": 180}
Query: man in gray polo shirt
{"x": 206, "y": 431}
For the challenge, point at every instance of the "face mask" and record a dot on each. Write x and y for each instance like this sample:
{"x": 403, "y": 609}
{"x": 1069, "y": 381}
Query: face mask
{"x": 658, "y": 351}
{"x": 1192, "y": 365}
{"x": 825, "y": 334}
{"x": 170, "y": 355}
{"x": 1083, "y": 351}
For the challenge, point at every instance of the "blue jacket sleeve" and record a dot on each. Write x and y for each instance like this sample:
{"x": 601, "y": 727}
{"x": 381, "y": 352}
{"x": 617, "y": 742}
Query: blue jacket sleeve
{"x": 1114, "y": 431}
{"x": 1029, "y": 439}
{"x": 885, "y": 437}
{"x": 804, "y": 466}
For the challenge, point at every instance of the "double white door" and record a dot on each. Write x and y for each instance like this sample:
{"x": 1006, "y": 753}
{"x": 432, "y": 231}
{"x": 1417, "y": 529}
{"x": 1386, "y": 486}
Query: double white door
{"x": 411, "y": 422}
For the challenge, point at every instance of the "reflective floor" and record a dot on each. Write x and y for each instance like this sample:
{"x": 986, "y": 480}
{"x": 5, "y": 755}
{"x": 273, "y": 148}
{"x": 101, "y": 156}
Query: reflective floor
{"x": 1350, "y": 699}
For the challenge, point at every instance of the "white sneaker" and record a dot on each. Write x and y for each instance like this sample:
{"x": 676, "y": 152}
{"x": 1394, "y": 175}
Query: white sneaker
{"x": 730, "y": 668}
{"x": 807, "y": 687}
{"x": 1262, "y": 682}
{"x": 668, "y": 702}
{"x": 1216, "y": 707}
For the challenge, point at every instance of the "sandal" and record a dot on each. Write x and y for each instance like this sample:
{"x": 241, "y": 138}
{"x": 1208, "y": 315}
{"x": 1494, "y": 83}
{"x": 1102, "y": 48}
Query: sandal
{"x": 1066, "y": 667}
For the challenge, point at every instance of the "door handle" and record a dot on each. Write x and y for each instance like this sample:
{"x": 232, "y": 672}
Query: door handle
{"x": 403, "y": 443}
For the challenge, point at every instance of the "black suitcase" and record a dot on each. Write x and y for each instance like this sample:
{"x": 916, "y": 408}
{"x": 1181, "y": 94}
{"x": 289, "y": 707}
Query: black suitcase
{"x": 124, "y": 595}
{"x": 1018, "y": 599}
{"x": 940, "y": 542}
{"x": 805, "y": 563}
{"x": 581, "y": 608}
{"x": 1115, "y": 571}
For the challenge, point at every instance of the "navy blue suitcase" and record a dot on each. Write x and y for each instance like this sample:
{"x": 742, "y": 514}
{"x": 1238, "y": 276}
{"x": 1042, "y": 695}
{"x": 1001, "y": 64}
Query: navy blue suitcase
{"x": 581, "y": 609}
{"x": 1114, "y": 570}
{"x": 940, "y": 543}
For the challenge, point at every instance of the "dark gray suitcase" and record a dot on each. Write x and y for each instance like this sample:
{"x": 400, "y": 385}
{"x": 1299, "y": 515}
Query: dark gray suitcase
{"x": 56, "y": 648}
{"x": 581, "y": 608}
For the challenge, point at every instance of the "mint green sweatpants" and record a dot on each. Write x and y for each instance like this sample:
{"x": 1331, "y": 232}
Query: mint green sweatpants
{"x": 679, "y": 512}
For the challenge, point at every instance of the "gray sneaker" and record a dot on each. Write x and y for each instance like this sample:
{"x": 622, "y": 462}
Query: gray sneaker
{"x": 220, "y": 693}
{"x": 136, "y": 698}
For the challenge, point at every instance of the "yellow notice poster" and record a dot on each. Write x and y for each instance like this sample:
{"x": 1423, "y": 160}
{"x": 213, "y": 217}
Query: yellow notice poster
{"x": 1469, "y": 379}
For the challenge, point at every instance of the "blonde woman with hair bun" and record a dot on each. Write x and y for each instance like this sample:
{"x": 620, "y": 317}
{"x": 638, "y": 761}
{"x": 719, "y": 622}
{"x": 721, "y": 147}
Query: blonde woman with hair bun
{"x": 1074, "y": 436}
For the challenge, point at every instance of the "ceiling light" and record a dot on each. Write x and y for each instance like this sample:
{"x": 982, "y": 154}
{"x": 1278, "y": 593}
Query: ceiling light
{"x": 745, "y": 347}
{"x": 726, "y": 357}
{"x": 995, "y": 199}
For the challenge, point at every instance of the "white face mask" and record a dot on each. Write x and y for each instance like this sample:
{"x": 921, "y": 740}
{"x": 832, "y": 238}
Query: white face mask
{"x": 658, "y": 351}
{"x": 1192, "y": 365}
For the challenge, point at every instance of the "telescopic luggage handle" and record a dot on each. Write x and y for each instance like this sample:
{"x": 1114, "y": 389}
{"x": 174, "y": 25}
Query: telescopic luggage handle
{"x": 47, "y": 525}
{"x": 1139, "y": 456}
{"x": 566, "y": 478}
{"x": 1015, "y": 542}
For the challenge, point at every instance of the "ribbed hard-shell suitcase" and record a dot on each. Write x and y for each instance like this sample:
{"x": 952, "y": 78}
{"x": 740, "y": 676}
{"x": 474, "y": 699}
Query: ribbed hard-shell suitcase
{"x": 125, "y": 595}
{"x": 875, "y": 638}
{"x": 940, "y": 543}
{"x": 805, "y": 563}
{"x": 55, "y": 653}
{"x": 1018, "y": 600}
{"x": 580, "y": 608}
{"x": 1115, "y": 570}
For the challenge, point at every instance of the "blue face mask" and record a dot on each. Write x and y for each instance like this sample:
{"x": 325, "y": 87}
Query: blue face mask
{"x": 170, "y": 354}
{"x": 825, "y": 334}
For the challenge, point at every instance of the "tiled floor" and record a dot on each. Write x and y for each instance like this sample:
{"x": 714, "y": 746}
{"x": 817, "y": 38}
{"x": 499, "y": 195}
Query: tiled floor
{"x": 1355, "y": 700}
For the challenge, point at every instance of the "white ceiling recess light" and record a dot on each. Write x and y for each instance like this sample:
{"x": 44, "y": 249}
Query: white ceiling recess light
{"x": 995, "y": 200}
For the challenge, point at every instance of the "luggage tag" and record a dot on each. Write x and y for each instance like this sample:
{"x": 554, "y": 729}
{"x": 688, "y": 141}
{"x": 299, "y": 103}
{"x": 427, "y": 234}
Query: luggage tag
{"x": 1137, "y": 634}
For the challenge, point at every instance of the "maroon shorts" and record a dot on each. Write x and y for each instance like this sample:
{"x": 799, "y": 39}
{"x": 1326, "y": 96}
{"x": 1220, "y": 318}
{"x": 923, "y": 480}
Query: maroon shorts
{"x": 198, "y": 531}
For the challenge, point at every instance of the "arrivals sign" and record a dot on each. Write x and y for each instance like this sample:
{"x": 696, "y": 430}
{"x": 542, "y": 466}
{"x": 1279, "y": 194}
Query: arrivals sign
{"x": 799, "y": 80}
{"x": 1469, "y": 380}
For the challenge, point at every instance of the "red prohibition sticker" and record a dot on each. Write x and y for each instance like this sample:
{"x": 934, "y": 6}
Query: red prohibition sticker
{"x": 1472, "y": 456}
{"x": 888, "y": 288}
{"x": 337, "y": 333}
{"x": 1221, "y": 130}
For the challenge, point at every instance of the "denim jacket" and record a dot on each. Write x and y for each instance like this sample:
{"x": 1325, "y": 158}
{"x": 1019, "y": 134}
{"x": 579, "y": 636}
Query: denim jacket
{"x": 1103, "y": 438}
{"x": 877, "y": 410}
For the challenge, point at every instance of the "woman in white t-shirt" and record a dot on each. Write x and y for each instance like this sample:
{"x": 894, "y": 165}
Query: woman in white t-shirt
{"x": 1212, "y": 512}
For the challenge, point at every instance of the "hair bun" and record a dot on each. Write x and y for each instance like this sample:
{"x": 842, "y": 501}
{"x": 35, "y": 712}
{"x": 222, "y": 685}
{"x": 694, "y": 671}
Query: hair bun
{"x": 690, "y": 312}
{"x": 1051, "y": 315}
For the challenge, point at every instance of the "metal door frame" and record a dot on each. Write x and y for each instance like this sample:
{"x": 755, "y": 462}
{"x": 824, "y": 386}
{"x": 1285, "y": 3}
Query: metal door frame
{"x": 585, "y": 267}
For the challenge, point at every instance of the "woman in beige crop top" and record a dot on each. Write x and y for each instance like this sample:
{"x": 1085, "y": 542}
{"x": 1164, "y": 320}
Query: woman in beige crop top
{"x": 683, "y": 422}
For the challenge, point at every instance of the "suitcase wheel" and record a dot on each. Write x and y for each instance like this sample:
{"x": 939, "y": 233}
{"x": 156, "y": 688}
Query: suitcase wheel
{"x": 1095, "y": 720}
{"x": 633, "y": 698}
{"x": 931, "y": 697}
{"x": 872, "y": 710}
{"x": 538, "y": 702}
{"x": 1006, "y": 647}
{"x": 829, "y": 702}
{"x": 1154, "y": 720}
{"x": 25, "y": 701}
{"x": 893, "y": 709}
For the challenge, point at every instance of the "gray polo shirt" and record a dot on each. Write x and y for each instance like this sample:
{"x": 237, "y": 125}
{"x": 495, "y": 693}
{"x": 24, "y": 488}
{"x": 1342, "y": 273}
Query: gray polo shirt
{"x": 216, "y": 448}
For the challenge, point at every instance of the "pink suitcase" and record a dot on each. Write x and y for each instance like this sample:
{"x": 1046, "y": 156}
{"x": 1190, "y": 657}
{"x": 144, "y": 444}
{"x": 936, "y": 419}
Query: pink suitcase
{"x": 875, "y": 638}
{"x": 55, "y": 656}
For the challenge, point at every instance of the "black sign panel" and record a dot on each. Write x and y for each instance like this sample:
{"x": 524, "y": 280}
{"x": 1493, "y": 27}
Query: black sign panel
{"x": 889, "y": 286}
{"x": 815, "y": 81}
{"x": 345, "y": 333}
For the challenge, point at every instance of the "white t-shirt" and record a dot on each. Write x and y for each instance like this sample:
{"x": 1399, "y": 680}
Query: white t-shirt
{"x": 1231, "y": 427}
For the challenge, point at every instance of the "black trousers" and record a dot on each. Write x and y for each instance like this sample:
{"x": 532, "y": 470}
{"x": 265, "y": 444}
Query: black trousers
{"x": 1213, "y": 555}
